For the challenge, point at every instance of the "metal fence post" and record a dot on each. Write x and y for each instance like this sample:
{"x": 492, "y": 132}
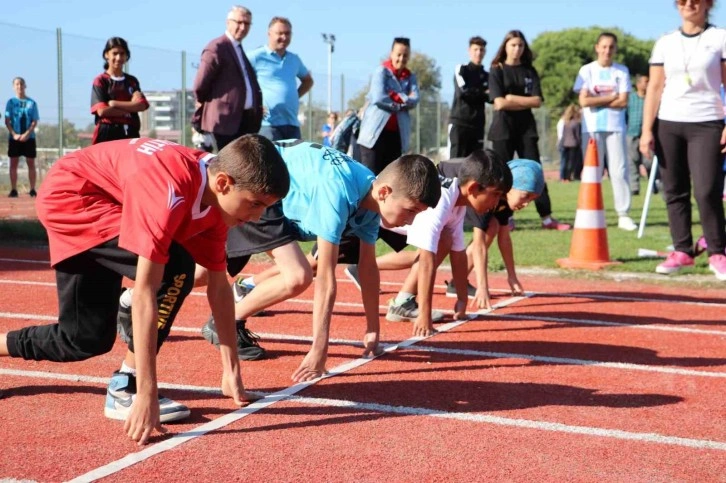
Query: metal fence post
{"x": 310, "y": 115}
{"x": 418, "y": 129}
{"x": 59, "y": 49}
{"x": 183, "y": 116}
{"x": 438, "y": 122}
{"x": 342, "y": 96}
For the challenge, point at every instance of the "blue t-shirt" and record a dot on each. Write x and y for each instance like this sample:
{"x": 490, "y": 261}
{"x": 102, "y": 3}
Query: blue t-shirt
{"x": 277, "y": 77}
{"x": 21, "y": 113}
{"x": 326, "y": 190}
{"x": 327, "y": 131}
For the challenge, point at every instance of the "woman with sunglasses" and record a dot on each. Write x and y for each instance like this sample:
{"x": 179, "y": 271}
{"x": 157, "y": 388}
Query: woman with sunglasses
{"x": 683, "y": 123}
{"x": 385, "y": 130}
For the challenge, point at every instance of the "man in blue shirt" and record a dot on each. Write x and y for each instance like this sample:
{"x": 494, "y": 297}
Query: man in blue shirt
{"x": 340, "y": 203}
{"x": 277, "y": 72}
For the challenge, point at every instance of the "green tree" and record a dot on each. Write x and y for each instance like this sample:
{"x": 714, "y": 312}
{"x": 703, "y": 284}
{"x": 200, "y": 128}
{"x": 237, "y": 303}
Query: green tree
{"x": 47, "y": 135}
{"x": 559, "y": 56}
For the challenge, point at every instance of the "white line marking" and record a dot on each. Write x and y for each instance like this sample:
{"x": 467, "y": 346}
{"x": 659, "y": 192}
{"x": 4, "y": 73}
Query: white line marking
{"x": 664, "y": 328}
{"x": 522, "y": 423}
{"x": 388, "y": 409}
{"x": 587, "y": 295}
{"x": 17, "y": 260}
{"x": 227, "y": 419}
{"x": 497, "y": 355}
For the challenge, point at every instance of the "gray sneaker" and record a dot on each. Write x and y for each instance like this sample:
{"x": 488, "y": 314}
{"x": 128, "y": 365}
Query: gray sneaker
{"x": 408, "y": 311}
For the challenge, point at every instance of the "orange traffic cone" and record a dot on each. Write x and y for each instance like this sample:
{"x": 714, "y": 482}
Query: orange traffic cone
{"x": 589, "y": 246}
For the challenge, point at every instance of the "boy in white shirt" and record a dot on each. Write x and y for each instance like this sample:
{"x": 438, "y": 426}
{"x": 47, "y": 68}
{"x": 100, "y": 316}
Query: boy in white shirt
{"x": 482, "y": 180}
{"x": 603, "y": 88}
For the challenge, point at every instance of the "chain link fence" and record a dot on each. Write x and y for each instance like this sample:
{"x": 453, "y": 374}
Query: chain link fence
{"x": 59, "y": 70}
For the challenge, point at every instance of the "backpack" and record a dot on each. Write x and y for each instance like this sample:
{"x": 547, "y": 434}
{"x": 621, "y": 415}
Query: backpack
{"x": 344, "y": 132}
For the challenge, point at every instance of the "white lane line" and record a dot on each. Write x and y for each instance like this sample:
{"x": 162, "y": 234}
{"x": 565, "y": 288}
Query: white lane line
{"x": 18, "y": 260}
{"x": 584, "y": 295}
{"x": 522, "y": 423}
{"x": 498, "y": 355}
{"x": 227, "y": 419}
{"x": 410, "y": 411}
{"x": 623, "y": 298}
{"x": 663, "y": 328}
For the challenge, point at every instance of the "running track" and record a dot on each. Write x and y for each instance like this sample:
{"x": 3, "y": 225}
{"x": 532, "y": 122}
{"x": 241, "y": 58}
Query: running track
{"x": 578, "y": 381}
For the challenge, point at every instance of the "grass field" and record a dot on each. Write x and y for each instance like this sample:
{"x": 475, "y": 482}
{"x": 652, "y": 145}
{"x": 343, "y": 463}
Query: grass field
{"x": 534, "y": 247}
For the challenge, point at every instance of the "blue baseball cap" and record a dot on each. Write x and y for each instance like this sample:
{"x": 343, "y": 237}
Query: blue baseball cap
{"x": 527, "y": 175}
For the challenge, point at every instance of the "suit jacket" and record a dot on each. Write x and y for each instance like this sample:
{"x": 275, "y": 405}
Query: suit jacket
{"x": 220, "y": 86}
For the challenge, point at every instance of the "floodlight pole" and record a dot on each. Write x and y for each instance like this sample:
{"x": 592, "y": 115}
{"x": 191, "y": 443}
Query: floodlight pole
{"x": 330, "y": 40}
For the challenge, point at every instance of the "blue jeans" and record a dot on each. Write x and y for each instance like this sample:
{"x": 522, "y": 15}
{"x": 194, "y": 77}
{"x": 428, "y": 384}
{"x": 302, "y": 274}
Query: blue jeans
{"x": 276, "y": 133}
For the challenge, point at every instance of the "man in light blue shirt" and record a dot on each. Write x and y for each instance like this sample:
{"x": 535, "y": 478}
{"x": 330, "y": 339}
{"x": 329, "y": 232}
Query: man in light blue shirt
{"x": 277, "y": 72}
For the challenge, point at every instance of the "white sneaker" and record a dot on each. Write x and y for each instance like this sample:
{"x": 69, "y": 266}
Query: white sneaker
{"x": 626, "y": 223}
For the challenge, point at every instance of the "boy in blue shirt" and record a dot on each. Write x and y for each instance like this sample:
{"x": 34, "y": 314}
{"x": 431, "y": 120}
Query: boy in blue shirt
{"x": 332, "y": 199}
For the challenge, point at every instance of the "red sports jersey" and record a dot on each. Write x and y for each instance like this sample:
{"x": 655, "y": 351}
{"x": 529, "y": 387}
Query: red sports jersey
{"x": 145, "y": 191}
{"x": 107, "y": 88}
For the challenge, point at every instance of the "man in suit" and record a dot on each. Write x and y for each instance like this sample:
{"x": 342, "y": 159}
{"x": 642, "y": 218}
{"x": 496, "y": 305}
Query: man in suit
{"x": 229, "y": 99}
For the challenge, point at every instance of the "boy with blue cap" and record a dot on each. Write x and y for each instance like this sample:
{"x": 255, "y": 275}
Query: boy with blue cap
{"x": 527, "y": 185}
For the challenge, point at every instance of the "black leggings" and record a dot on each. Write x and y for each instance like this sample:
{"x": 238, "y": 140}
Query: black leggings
{"x": 386, "y": 150}
{"x": 89, "y": 286}
{"x": 526, "y": 148}
{"x": 692, "y": 150}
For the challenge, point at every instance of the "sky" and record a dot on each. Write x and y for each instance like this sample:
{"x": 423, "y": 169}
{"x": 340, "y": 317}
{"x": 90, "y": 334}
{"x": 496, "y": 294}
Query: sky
{"x": 157, "y": 30}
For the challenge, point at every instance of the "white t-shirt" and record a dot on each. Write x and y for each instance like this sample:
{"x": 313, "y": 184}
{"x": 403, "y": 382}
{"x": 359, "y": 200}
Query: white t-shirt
{"x": 427, "y": 227}
{"x": 700, "y": 100}
{"x": 603, "y": 81}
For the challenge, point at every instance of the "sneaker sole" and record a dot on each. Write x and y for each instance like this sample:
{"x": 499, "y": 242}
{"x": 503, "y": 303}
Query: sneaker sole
{"x": 352, "y": 278}
{"x": 210, "y": 336}
{"x": 453, "y": 296}
{"x": 669, "y": 271}
{"x": 719, "y": 276}
{"x": 397, "y": 318}
{"x": 119, "y": 415}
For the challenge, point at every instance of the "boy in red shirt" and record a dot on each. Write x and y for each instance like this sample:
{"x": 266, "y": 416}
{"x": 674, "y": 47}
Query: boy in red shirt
{"x": 147, "y": 210}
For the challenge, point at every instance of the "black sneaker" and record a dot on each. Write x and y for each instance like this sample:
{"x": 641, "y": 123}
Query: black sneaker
{"x": 248, "y": 349}
{"x": 32, "y": 193}
{"x": 13, "y": 194}
{"x": 241, "y": 290}
{"x": 351, "y": 271}
{"x": 451, "y": 289}
{"x": 123, "y": 322}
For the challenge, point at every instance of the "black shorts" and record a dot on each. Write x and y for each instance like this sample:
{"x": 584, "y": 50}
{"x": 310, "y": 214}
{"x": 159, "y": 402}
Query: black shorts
{"x": 18, "y": 148}
{"x": 475, "y": 220}
{"x": 273, "y": 230}
{"x": 349, "y": 247}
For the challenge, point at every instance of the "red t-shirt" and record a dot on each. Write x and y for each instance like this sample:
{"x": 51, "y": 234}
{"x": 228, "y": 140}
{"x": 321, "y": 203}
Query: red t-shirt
{"x": 145, "y": 191}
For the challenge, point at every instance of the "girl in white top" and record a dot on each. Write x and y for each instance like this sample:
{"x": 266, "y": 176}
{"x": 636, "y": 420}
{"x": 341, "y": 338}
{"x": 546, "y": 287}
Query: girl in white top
{"x": 683, "y": 124}
{"x": 603, "y": 87}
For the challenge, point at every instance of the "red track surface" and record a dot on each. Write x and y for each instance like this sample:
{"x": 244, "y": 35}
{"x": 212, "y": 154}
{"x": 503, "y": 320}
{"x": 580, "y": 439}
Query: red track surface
{"x": 588, "y": 381}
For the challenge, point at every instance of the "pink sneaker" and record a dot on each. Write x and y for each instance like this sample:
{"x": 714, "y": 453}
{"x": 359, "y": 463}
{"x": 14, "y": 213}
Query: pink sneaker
{"x": 555, "y": 225}
{"x": 674, "y": 262}
{"x": 700, "y": 246}
{"x": 717, "y": 264}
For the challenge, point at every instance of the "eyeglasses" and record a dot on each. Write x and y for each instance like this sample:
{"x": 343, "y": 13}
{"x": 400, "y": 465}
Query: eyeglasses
{"x": 682, "y": 3}
{"x": 240, "y": 22}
